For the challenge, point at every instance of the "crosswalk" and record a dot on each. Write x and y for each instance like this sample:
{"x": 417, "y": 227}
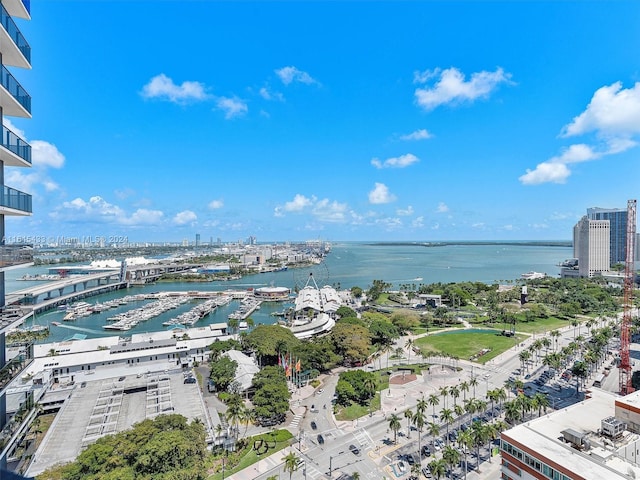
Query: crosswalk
{"x": 363, "y": 437}
{"x": 297, "y": 418}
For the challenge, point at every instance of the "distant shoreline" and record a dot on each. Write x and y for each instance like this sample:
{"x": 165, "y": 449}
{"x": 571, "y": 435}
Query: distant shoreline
{"x": 525, "y": 243}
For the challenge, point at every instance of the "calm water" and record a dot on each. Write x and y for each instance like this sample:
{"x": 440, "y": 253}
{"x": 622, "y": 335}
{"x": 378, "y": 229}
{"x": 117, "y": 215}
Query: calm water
{"x": 348, "y": 265}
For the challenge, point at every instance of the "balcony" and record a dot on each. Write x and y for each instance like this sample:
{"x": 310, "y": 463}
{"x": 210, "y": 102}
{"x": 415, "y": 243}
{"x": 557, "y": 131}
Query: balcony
{"x": 15, "y": 49}
{"x": 14, "y": 202}
{"x": 18, "y": 8}
{"x": 16, "y": 152}
{"x": 15, "y": 100}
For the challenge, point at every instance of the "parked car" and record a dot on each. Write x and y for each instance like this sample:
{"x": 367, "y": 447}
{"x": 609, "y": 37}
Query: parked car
{"x": 314, "y": 426}
{"x": 190, "y": 380}
{"x": 426, "y": 451}
{"x": 402, "y": 467}
{"x": 320, "y": 439}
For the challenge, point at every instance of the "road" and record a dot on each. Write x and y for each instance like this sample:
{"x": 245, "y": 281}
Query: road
{"x": 371, "y": 435}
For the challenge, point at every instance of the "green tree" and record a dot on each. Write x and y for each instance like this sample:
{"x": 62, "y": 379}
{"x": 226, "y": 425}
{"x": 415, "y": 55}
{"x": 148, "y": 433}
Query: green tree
{"x": 408, "y": 414}
{"x": 271, "y": 397}
{"x": 438, "y": 468}
{"x": 394, "y": 425}
{"x": 291, "y": 463}
{"x": 223, "y": 372}
{"x": 451, "y": 456}
{"x": 165, "y": 447}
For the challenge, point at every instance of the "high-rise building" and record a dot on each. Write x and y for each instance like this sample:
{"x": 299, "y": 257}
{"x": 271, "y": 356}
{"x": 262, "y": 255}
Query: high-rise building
{"x": 617, "y": 230}
{"x": 16, "y": 411}
{"x": 596, "y": 438}
{"x": 591, "y": 246}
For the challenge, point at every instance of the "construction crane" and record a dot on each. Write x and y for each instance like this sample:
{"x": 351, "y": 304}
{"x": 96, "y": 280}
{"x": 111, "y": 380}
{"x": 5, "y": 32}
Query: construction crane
{"x": 629, "y": 273}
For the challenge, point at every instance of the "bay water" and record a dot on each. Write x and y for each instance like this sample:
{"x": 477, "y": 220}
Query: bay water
{"x": 348, "y": 264}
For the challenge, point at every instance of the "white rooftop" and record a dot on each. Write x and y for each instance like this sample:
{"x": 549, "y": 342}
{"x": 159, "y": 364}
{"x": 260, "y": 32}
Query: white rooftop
{"x": 544, "y": 436}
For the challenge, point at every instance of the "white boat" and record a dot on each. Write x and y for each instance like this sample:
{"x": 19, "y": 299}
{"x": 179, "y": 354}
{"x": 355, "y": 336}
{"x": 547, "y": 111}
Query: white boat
{"x": 533, "y": 275}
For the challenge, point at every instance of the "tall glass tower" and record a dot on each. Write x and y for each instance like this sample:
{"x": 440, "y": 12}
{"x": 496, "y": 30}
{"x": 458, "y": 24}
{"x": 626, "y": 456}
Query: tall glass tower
{"x": 617, "y": 230}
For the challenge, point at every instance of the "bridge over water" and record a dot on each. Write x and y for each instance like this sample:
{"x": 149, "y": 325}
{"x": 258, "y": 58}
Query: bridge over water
{"x": 77, "y": 285}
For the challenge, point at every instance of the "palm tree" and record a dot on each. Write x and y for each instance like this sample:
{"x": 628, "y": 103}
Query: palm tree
{"x": 291, "y": 463}
{"x": 540, "y": 401}
{"x": 579, "y": 370}
{"x": 512, "y": 411}
{"x": 433, "y": 400}
{"x": 473, "y": 382}
{"x": 555, "y": 334}
{"x": 479, "y": 435}
{"x": 408, "y": 414}
{"x": 394, "y": 425}
{"x": 419, "y": 421}
{"x": 444, "y": 391}
{"x": 409, "y": 346}
{"x": 355, "y": 476}
{"x": 438, "y": 468}
{"x": 465, "y": 441}
{"x": 451, "y": 456}
{"x": 446, "y": 415}
{"x": 421, "y": 405}
{"x": 464, "y": 388}
{"x": 433, "y": 429}
{"x": 454, "y": 391}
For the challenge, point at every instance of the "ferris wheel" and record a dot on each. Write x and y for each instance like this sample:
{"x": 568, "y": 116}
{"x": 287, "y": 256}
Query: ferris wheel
{"x": 316, "y": 274}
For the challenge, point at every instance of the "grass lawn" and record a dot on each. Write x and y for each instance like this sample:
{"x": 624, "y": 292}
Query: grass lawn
{"x": 541, "y": 325}
{"x": 249, "y": 456}
{"x": 354, "y": 410}
{"x": 463, "y": 344}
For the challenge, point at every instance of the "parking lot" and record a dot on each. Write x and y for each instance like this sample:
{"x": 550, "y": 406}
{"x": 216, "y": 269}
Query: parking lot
{"x": 97, "y": 408}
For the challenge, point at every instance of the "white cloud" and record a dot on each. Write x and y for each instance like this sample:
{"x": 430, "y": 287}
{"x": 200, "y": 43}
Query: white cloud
{"x": 324, "y": 210}
{"x": 232, "y": 107}
{"x": 144, "y": 216}
{"x": 613, "y": 114}
{"x": 330, "y": 211}
{"x": 162, "y": 87}
{"x": 215, "y": 204}
{"x": 555, "y": 169}
{"x": 451, "y": 86}
{"x": 405, "y": 212}
{"x": 442, "y": 208}
{"x": 396, "y": 162}
{"x": 185, "y": 217}
{"x": 291, "y": 74}
{"x": 418, "y": 222}
{"x": 299, "y": 202}
{"x": 421, "y": 134}
{"x": 267, "y": 94}
{"x": 98, "y": 210}
{"x": 46, "y": 154}
{"x": 380, "y": 194}
{"x": 613, "y": 111}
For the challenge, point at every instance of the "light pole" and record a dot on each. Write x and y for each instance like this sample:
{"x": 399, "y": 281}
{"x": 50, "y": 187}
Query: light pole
{"x": 331, "y": 460}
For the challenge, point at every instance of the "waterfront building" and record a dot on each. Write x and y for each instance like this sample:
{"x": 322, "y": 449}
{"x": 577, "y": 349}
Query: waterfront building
{"x": 594, "y": 439}
{"x": 617, "y": 230}
{"x": 591, "y": 242}
{"x": 72, "y": 361}
{"x": 16, "y": 411}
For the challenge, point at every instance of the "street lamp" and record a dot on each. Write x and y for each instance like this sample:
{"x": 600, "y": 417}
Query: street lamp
{"x": 331, "y": 460}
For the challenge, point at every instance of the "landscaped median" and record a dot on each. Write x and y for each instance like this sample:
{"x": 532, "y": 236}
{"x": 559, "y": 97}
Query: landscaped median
{"x": 253, "y": 450}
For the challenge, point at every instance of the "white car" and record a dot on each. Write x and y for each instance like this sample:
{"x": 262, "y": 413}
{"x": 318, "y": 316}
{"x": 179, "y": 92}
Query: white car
{"x": 402, "y": 467}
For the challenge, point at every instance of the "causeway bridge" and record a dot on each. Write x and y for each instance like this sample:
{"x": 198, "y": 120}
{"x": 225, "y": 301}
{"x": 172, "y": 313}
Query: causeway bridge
{"x": 78, "y": 285}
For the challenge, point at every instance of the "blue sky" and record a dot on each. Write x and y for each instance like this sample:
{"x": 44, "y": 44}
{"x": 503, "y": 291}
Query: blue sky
{"x": 157, "y": 120}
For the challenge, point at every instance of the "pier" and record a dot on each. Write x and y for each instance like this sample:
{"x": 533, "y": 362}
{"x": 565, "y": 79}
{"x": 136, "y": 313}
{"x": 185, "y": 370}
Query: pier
{"x": 76, "y": 285}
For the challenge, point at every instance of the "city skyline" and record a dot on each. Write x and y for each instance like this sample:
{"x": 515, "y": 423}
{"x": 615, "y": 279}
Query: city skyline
{"x": 341, "y": 121}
